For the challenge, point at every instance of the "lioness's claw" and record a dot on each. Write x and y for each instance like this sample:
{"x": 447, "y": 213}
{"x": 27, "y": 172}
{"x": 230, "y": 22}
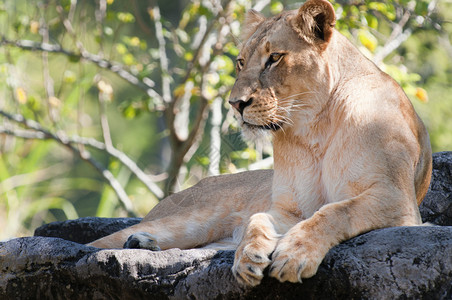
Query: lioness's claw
{"x": 250, "y": 262}
{"x": 296, "y": 258}
{"x": 283, "y": 270}
{"x": 249, "y": 273}
{"x": 250, "y": 276}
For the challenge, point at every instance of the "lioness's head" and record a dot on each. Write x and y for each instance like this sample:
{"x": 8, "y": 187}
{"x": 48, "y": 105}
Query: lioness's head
{"x": 281, "y": 70}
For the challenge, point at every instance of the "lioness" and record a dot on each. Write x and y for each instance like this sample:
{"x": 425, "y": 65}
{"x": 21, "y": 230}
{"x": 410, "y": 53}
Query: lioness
{"x": 350, "y": 155}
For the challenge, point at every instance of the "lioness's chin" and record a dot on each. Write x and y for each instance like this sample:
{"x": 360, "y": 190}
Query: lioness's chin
{"x": 256, "y": 133}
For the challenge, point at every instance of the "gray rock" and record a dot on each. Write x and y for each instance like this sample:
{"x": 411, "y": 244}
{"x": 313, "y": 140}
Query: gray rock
{"x": 437, "y": 205}
{"x": 400, "y": 263}
{"x": 85, "y": 230}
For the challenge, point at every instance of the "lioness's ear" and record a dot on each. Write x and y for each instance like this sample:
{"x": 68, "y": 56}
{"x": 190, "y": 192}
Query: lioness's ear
{"x": 252, "y": 21}
{"x": 316, "y": 20}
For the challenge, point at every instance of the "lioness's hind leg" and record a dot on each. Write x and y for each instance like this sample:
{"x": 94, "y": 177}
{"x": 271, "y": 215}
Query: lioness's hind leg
{"x": 142, "y": 240}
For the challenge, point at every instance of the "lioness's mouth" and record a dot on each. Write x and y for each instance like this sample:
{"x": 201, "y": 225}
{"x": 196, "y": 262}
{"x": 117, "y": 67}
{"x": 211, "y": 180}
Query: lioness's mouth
{"x": 270, "y": 126}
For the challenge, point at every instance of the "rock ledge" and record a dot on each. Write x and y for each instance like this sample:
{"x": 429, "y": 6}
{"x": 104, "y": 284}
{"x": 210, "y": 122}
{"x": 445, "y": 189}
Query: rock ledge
{"x": 400, "y": 263}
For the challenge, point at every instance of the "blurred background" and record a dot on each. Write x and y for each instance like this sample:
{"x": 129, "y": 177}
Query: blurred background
{"x": 106, "y": 106}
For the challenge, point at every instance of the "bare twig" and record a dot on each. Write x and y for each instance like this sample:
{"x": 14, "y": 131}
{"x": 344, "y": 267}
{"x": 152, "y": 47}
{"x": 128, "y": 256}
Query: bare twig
{"x": 183, "y": 149}
{"x": 182, "y": 113}
{"x": 145, "y": 84}
{"x": 191, "y": 65}
{"x": 93, "y": 143}
{"x": 105, "y": 94}
{"x": 215, "y": 137}
{"x": 33, "y": 177}
{"x": 85, "y": 155}
{"x": 166, "y": 90}
{"x": 261, "y": 4}
{"x": 397, "y": 37}
{"x": 141, "y": 22}
{"x": 72, "y": 10}
{"x": 48, "y": 80}
{"x": 392, "y": 45}
{"x": 399, "y": 34}
{"x": 100, "y": 14}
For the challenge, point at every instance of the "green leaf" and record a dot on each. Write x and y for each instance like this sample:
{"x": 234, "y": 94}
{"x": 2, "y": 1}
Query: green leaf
{"x": 367, "y": 40}
{"x": 121, "y": 48}
{"x": 227, "y": 80}
{"x": 276, "y": 7}
{"x": 372, "y": 21}
{"x": 125, "y": 17}
{"x": 69, "y": 76}
{"x": 231, "y": 49}
{"x": 188, "y": 56}
{"x": 128, "y": 59}
{"x": 225, "y": 64}
{"x": 74, "y": 58}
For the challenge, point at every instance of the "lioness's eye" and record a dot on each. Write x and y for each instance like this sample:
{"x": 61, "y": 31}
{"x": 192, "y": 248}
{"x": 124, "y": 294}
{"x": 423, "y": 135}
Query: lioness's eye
{"x": 240, "y": 63}
{"x": 274, "y": 57}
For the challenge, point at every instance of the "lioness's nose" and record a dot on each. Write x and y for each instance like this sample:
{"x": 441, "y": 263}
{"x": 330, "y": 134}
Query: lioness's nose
{"x": 240, "y": 105}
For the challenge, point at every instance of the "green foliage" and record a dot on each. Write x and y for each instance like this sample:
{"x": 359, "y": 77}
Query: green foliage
{"x": 147, "y": 79}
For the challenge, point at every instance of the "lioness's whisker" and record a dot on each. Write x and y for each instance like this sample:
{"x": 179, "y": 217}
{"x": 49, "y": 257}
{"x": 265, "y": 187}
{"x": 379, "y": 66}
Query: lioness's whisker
{"x": 283, "y": 119}
{"x": 302, "y": 93}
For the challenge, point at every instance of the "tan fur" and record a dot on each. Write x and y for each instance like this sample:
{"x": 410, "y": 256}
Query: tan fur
{"x": 350, "y": 154}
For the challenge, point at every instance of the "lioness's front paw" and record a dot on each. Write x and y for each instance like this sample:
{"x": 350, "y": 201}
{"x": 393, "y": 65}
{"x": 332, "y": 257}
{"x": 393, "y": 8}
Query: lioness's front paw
{"x": 249, "y": 264}
{"x": 295, "y": 259}
{"x": 142, "y": 240}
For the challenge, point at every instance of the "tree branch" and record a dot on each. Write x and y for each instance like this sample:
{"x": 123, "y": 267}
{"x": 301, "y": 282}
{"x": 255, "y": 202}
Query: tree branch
{"x": 215, "y": 137}
{"x": 48, "y": 80}
{"x": 144, "y": 84}
{"x": 191, "y": 65}
{"x": 140, "y": 20}
{"x": 182, "y": 148}
{"x": 93, "y": 143}
{"x": 398, "y": 34}
{"x": 84, "y": 155}
{"x": 166, "y": 90}
{"x": 33, "y": 177}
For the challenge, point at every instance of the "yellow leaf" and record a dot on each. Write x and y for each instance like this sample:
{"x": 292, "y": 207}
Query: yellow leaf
{"x": 179, "y": 91}
{"x": 135, "y": 41}
{"x": 105, "y": 90}
{"x": 21, "y": 95}
{"x": 276, "y": 8}
{"x": 34, "y": 27}
{"x": 110, "y": 1}
{"x": 196, "y": 91}
{"x": 210, "y": 92}
{"x": 54, "y": 101}
{"x": 128, "y": 59}
{"x": 188, "y": 56}
{"x": 139, "y": 67}
{"x": 421, "y": 94}
{"x": 121, "y": 49}
{"x": 367, "y": 40}
{"x": 151, "y": 13}
{"x": 104, "y": 87}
